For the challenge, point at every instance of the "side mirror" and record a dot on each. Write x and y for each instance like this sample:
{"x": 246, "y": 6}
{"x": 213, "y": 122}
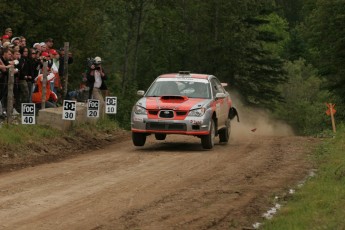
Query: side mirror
{"x": 140, "y": 92}
{"x": 220, "y": 95}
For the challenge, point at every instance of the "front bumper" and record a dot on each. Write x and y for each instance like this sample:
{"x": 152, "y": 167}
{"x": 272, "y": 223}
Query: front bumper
{"x": 189, "y": 125}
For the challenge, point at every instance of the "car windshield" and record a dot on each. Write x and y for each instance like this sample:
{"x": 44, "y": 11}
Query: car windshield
{"x": 195, "y": 88}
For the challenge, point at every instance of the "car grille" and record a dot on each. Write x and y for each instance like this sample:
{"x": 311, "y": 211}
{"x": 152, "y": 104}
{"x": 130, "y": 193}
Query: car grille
{"x": 153, "y": 112}
{"x": 181, "y": 113}
{"x": 166, "y": 114}
{"x": 166, "y": 126}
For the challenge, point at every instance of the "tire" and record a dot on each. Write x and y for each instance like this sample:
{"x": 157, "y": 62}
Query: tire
{"x": 160, "y": 136}
{"x": 139, "y": 139}
{"x": 224, "y": 134}
{"x": 207, "y": 141}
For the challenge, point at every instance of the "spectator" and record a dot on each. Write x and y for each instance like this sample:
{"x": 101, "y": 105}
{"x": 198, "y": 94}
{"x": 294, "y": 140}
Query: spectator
{"x": 62, "y": 60}
{"x": 5, "y": 63}
{"x": 9, "y": 32}
{"x": 24, "y": 76}
{"x": 80, "y": 94}
{"x": 16, "y": 48}
{"x": 54, "y": 60}
{"x": 37, "y": 46}
{"x": 15, "y": 41}
{"x": 22, "y": 41}
{"x": 44, "y": 57}
{"x": 5, "y": 38}
{"x": 49, "y": 44}
{"x": 34, "y": 70}
{"x": 43, "y": 47}
{"x": 16, "y": 91}
{"x": 50, "y": 97}
{"x": 96, "y": 81}
{"x": 7, "y": 45}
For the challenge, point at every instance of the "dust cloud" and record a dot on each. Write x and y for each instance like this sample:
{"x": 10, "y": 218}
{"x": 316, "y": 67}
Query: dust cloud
{"x": 254, "y": 121}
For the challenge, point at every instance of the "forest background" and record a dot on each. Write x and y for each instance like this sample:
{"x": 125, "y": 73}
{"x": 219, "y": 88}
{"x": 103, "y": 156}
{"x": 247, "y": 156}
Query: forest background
{"x": 285, "y": 56}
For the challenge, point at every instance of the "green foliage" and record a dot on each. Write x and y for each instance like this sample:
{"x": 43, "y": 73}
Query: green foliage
{"x": 305, "y": 101}
{"x": 324, "y": 31}
{"x": 319, "y": 203}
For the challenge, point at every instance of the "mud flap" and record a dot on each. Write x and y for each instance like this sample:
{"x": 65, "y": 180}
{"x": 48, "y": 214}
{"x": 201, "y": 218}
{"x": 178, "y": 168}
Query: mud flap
{"x": 233, "y": 113}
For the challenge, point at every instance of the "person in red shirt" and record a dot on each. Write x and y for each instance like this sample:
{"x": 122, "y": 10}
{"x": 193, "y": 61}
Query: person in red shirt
{"x": 50, "y": 97}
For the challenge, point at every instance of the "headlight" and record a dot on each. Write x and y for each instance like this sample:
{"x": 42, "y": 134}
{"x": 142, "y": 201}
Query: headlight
{"x": 139, "y": 110}
{"x": 197, "y": 112}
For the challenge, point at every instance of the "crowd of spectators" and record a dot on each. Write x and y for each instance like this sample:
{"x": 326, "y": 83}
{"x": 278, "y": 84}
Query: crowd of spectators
{"x": 27, "y": 61}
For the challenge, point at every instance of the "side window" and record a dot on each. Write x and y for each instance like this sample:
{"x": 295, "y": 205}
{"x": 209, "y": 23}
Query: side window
{"x": 216, "y": 87}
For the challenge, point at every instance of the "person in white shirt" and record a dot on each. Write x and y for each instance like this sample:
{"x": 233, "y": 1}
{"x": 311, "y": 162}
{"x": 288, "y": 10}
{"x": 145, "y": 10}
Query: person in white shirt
{"x": 96, "y": 81}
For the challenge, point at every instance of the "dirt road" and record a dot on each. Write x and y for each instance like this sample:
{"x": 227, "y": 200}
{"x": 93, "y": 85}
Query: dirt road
{"x": 172, "y": 184}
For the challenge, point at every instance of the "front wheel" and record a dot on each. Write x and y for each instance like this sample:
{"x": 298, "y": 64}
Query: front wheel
{"x": 139, "y": 139}
{"x": 224, "y": 134}
{"x": 207, "y": 141}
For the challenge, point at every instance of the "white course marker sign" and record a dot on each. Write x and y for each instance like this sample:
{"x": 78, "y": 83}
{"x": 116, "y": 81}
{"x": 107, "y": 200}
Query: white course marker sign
{"x": 92, "y": 108}
{"x": 28, "y": 114}
{"x": 111, "y": 105}
{"x": 69, "y": 110}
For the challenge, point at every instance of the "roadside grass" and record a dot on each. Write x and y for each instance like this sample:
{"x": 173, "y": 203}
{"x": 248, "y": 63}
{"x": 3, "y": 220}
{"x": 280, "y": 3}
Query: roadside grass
{"x": 13, "y": 135}
{"x": 16, "y": 135}
{"x": 105, "y": 124}
{"x": 320, "y": 203}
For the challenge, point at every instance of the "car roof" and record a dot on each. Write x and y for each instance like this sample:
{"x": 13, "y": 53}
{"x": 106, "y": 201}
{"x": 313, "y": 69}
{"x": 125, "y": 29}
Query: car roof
{"x": 191, "y": 75}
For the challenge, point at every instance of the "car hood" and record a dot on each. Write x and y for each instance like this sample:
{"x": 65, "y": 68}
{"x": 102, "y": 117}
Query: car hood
{"x": 181, "y": 103}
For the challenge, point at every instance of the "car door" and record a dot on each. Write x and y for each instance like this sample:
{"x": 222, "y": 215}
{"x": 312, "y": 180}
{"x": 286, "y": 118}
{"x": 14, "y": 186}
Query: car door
{"x": 220, "y": 103}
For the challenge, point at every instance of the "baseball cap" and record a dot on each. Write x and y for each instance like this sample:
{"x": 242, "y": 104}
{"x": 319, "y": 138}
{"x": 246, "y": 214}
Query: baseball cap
{"x": 36, "y": 44}
{"x": 15, "y": 38}
{"x": 5, "y": 36}
{"x": 98, "y": 60}
{"x": 45, "y": 54}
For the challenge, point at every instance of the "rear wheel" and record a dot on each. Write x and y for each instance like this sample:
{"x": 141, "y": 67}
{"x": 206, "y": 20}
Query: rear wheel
{"x": 160, "y": 136}
{"x": 139, "y": 139}
{"x": 207, "y": 141}
{"x": 224, "y": 134}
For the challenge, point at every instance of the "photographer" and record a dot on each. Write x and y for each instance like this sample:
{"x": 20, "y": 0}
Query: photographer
{"x": 96, "y": 80}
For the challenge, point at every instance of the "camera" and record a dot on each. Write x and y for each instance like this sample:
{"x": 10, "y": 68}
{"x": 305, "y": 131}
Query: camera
{"x": 90, "y": 61}
{"x": 93, "y": 62}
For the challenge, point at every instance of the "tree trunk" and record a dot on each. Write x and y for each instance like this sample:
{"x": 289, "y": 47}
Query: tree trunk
{"x": 64, "y": 78}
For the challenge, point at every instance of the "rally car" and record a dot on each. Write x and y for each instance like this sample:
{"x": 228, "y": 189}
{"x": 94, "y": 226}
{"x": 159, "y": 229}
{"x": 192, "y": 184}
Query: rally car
{"x": 183, "y": 103}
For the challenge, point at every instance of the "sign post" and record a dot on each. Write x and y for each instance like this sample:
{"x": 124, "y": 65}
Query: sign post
{"x": 330, "y": 112}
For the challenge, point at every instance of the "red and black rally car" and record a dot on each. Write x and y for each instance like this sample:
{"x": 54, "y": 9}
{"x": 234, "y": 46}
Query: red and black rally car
{"x": 183, "y": 103}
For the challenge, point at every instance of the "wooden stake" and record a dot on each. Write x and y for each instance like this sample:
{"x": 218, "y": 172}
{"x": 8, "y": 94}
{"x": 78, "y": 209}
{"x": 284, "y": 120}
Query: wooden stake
{"x": 332, "y": 117}
{"x": 44, "y": 84}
